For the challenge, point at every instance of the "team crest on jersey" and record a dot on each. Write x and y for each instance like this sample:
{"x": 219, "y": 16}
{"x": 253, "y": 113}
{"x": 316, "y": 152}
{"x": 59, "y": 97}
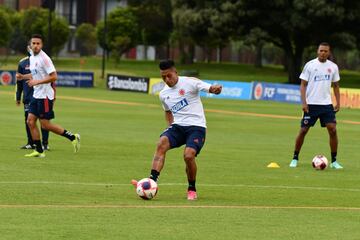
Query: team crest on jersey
{"x": 329, "y": 70}
{"x": 182, "y": 92}
{"x": 179, "y": 105}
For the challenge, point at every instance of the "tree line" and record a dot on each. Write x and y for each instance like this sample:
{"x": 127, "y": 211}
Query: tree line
{"x": 293, "y": 26}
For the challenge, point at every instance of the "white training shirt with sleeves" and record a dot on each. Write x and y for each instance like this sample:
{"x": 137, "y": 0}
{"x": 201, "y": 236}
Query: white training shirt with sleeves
{"x": 183, "y": 100}
{"x": 41, "y": 66}
{"x": 319, "y": 76}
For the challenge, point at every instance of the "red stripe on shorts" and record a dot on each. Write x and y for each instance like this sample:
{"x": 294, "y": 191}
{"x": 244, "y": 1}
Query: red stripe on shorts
{"x": 46, "y": 105}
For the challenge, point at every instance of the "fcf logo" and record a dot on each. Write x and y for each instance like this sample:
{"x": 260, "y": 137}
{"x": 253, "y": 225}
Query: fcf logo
{"x": 269, "y": 92}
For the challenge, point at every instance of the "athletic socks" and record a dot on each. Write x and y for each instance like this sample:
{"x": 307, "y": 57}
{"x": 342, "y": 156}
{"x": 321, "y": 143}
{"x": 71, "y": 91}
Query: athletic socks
{"x": 38, "y": 146}
{"x": 28, "y": 133}
{"x": 296, "y": 155}
{"x": 45, "y": 136}
{"x": 154, "y": 175}
{"x": 333, "y": 156}
{"x": 68, "y": 135}
{"x": 191, "y": 186}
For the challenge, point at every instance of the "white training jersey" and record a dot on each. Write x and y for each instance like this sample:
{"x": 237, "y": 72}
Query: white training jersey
{"x": 183, "y": 100}
{"x": 41, "y": 66}
{"x": 319, "y": 76}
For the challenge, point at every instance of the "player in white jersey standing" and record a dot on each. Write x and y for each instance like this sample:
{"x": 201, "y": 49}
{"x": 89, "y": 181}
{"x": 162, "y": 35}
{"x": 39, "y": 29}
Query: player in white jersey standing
{"x": 317, "y": 78}
{"x": 43, "y": 74}
{"x": 185, "y": 117}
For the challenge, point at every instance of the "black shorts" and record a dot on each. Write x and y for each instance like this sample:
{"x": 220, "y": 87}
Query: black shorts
{"x": 192, "y": 136}
{"x": 42, "y": 108}
{"x": 326, "y": 114}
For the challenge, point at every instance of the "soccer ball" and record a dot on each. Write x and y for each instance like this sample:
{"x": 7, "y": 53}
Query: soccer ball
{"x": 146, "y": 188}
{"x": 320, "y": 162}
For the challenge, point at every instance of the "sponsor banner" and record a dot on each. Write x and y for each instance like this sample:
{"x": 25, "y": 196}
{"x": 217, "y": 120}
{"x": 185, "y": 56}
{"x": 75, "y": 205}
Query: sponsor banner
{"x": 7, "y": 77}
{"x": 65, "y": 79}
{"x": 156, "y": 85}
{"x": 276, "y": 92}
{"x": 127, "y": 83}
{"x": 75, "y": 79}
{"x": 349, "y": 97}
{"x": 230, "y": 90}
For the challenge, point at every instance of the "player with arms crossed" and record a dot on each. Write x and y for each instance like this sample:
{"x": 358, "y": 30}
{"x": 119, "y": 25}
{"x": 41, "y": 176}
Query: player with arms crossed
{"x": 43, "y": 73}
{"x": 317, "y": 78}
{"x": 185, "y": 117}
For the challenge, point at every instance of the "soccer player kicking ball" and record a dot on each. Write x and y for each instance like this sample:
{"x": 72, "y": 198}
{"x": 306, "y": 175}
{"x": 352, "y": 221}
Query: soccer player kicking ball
{"x": 185, "y": 117}
{"x": 43, "y": 73}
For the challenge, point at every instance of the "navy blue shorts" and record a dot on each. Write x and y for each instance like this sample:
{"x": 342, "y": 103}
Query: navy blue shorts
{"x": 326, "y": 114}
{"x": 42, "y": 108}
{"x": 192, "y": 136}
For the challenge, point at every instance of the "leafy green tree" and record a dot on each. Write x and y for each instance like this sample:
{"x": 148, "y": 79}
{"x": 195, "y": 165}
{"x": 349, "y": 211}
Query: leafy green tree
{"x": 182, "y": 33}
{"x": 35, "y": 20}
{"x": 122, "y": 32}
{"x": 154, "y": 21}
{"x": 5, "y": 28}
{"x": 256, "y": 38}
{"x": 295, "y": 25}
{"x": 18, "y": 41}
{"x": 200, "y": 23}
{"x": 60, "y": 33}
{"x": 86, "y": 37}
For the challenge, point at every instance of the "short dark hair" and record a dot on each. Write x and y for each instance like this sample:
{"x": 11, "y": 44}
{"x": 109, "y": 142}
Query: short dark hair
{"x": 36, "y": 35}
{"x": 166, "y": 64}
{"x": 324, "y": 44}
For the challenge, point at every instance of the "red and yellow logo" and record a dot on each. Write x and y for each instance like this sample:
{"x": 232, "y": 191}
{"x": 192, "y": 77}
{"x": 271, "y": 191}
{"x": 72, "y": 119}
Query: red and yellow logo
{"x": 5, "y": 78}
{"x": 258, "y": 91}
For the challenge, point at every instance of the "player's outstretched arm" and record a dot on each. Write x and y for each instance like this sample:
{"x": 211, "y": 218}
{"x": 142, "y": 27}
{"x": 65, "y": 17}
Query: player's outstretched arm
{"x": 216, "y": 89}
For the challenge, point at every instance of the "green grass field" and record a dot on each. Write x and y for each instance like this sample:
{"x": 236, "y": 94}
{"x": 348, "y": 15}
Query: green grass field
{"x": 88, "y": 195}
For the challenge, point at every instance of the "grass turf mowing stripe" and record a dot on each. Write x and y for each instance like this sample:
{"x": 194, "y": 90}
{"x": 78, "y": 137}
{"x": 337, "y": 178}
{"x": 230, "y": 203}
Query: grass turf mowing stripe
{"x": 329, "y": 208}
{"x": 182, "y": 184}
{"x": 206, "y": 110}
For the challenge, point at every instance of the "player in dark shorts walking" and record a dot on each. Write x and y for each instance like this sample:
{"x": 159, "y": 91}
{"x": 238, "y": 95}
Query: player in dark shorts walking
{"x": 22, "y": 89}
{"x": 43, "y": 74}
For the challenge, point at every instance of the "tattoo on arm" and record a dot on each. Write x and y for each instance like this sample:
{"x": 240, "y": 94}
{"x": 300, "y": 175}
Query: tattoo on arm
{"x": 157, "y": 158}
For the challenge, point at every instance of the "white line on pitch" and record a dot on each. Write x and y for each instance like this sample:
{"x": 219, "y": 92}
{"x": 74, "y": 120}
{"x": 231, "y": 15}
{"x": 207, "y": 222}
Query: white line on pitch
{"x": 183, "y": 184}
{"x": 54, "y": 206}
